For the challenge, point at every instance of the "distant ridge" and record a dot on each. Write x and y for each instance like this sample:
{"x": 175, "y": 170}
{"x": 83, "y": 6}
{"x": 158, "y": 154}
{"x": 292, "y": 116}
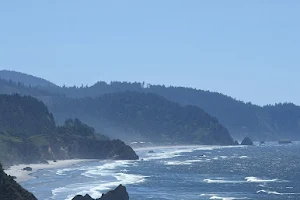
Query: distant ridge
{"x": 271, "y": 122}
{"x": 26, "y": 79}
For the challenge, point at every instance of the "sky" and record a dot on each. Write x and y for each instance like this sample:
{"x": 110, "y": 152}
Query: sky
{"x": 249, "y": 50}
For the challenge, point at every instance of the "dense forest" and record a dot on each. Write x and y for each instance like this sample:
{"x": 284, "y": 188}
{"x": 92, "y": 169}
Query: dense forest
{"x": 145, "y": 116}
{"x": 27, "y": 79}
{"x": 10, "y": 190}
{"x": 29, "y": 134}
{"x": 271, "y": 122}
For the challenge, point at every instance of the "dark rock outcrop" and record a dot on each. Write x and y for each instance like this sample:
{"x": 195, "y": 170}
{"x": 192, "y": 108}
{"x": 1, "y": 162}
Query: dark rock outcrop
{"x": 119, "y": 193}
{"x": 85, "y": 197}
{"x": 247, "y": 141}
{"x": 11, "y": 190}
{"x": 236, "y": 142}
{"x": 27, "y": 169}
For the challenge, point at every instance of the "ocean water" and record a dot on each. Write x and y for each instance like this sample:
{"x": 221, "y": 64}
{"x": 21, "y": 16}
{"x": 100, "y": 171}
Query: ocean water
{"x": 182, "y": 173}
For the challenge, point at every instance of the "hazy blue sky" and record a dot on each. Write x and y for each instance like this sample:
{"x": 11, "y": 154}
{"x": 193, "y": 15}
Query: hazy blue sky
{"x": 247, "y": 49}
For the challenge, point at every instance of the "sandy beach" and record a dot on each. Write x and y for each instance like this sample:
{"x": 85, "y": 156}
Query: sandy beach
{"x": 22, "y": 175}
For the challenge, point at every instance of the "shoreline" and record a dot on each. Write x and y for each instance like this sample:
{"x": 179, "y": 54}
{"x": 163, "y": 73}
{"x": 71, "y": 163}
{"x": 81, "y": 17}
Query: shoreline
{"x": 22, "y": 175}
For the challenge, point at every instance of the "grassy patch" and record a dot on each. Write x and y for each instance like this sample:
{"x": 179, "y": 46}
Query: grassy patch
{"x": 39, "y": 140}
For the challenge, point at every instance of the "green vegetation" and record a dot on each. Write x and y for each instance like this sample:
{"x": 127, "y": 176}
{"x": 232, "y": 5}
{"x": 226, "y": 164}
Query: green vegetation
{"x": 149, "y": 116}
{"x": 28, "y": 134}
{"x": 10, "y": 190}
{"x": 272, "y": 122}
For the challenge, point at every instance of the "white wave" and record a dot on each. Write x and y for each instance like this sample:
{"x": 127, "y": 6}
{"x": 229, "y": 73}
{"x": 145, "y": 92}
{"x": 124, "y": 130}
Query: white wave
{"x": 106, "y": 167}
{"x": 222, "y": 181}
{"x": 96, "y": 188}
{"x": 106, "y": 176}
{"x": 243, "y": 157}
{"x": 215, "y": 196}
{"x": 275, "y": 193}
{"x": 174, "y": 151}
{"x": 61, "y": 172}
{"x": 186, "y": 162}
{"x": 223, "y": 157}
{"x": 222, "y": 198}
{"x": 268, "y": 192}
{"x": 167, "y": 154}
{"x": 253, "y": 179}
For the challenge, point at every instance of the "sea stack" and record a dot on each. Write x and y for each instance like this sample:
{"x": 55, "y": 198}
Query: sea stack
{"x": 247, "y": 141}
{"x": 119, "y": 193}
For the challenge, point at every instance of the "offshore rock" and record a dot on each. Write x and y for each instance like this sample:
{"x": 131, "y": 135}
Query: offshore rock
{"x": 119, "y": 193}
{"x": 247, "y": 141}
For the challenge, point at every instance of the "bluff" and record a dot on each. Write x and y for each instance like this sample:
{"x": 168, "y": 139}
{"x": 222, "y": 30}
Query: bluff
{"x": 28, "y": 134}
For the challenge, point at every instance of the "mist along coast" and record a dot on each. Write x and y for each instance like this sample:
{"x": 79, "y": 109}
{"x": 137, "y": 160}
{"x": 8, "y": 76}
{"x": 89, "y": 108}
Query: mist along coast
{"x": 181, "y": 172}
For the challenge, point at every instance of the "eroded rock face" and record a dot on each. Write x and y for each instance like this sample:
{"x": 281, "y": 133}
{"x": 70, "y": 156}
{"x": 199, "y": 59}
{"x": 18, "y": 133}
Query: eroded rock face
{"x": 247, "y": 141}
{"x": 120, "y": 193}
{"x": 11, "y": 190}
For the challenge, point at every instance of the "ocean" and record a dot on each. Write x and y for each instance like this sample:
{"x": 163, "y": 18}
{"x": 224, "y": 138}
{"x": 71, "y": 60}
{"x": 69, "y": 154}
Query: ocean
{"x": 255, "y": 172}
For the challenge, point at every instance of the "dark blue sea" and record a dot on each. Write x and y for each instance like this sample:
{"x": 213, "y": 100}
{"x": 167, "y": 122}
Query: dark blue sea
{"x": 182, "y": 173}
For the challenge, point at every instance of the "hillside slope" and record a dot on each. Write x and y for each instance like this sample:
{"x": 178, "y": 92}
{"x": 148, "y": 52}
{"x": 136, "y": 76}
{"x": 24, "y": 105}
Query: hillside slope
{"x": 242, "y": 119}
{"x": 26, "y": 79}
{"x": 145, "y": 116}
{"x": 28, "y": 134}
{"x": 272, "y": 122}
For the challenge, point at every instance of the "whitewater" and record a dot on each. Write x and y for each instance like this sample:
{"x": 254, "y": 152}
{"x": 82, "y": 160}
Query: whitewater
{"x": 182, "y": 173}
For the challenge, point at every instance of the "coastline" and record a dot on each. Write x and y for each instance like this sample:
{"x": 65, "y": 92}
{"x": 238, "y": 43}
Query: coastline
{"x": 22, "y": 175}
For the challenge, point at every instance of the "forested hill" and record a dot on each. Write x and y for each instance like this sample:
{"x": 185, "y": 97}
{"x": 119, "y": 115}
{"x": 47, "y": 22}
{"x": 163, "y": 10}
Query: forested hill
{"x": 242, "y": 119}
{"x": 272, "y": 122}
{"x": 26, "y": 79}
{"x": 145, "y": 116}
{"x": 28, "y": 134}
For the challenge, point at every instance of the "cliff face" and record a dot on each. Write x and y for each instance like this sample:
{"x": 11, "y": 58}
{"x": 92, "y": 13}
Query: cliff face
{"x": 119, "y": 193}
{"x": 10, "y": 190}
{"x": 28, "y": 134}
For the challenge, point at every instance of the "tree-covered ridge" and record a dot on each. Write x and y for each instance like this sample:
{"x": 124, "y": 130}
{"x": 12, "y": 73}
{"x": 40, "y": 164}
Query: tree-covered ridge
{"x": 29, "y": 134}
{"x": 25, "y": 79}
{"x": 242, "y": 119}
{"x": 10, "y": 190}
{"x": 273, "y": 122}
{"x": 10, "y": 87}
{"x": 148, "y": 115}
{"x": 24, "y": 116}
